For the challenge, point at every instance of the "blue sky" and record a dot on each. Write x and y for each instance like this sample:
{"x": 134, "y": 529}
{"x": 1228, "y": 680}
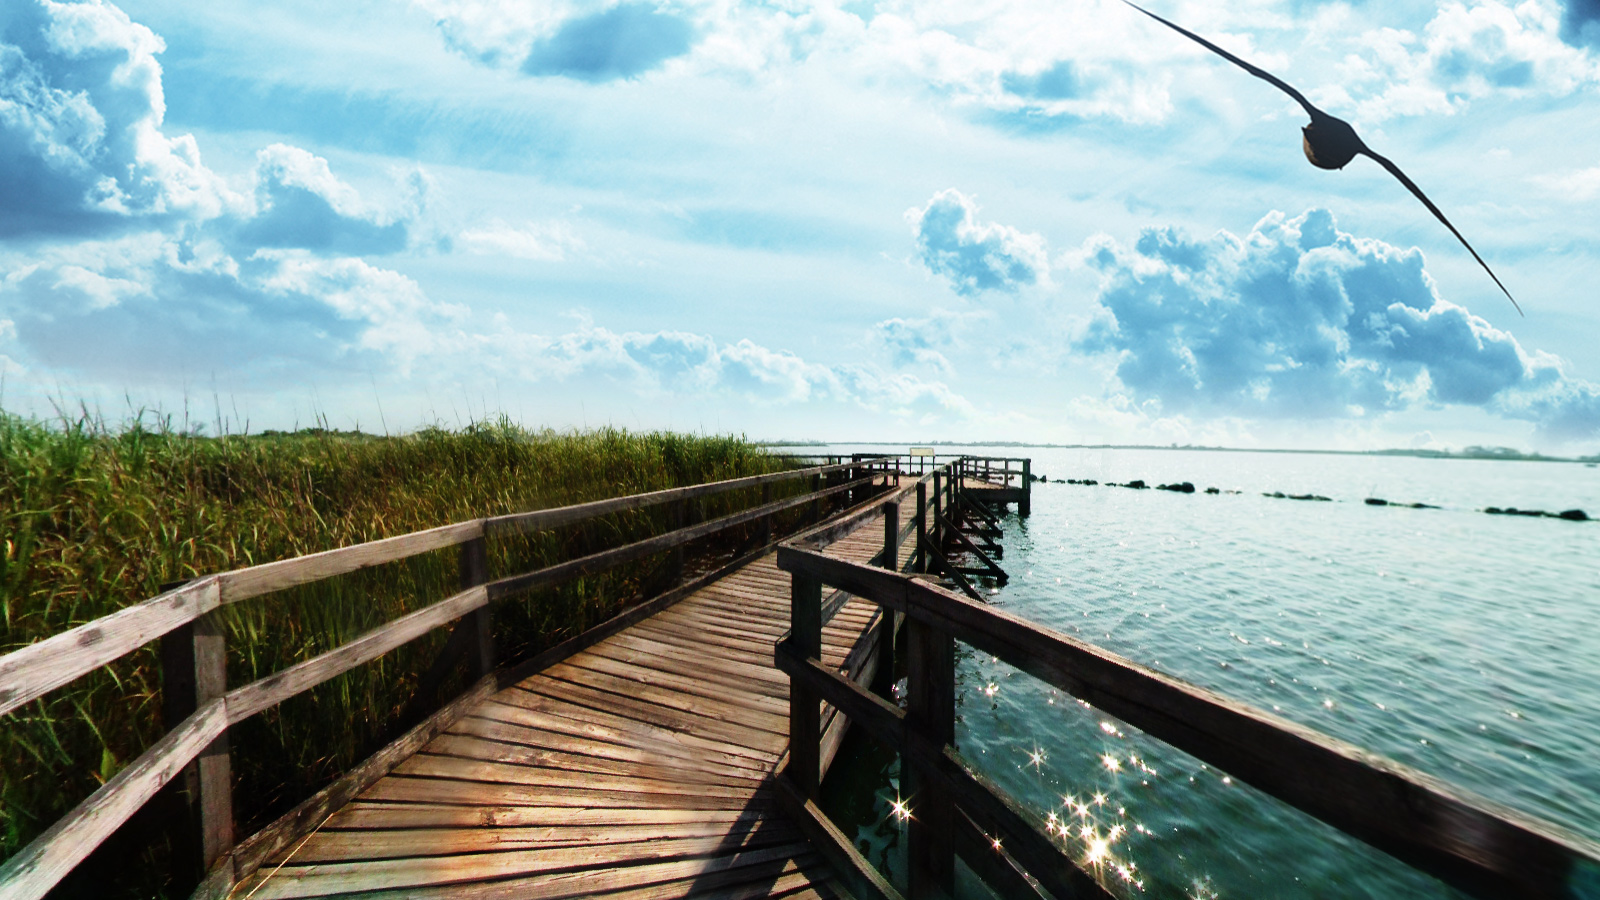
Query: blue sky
{"x": 1023, "y": 220}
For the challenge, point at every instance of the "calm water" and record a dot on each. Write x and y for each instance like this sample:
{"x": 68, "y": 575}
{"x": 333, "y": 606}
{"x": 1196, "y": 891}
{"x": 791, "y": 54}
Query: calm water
{"x": 1463, "y": 644}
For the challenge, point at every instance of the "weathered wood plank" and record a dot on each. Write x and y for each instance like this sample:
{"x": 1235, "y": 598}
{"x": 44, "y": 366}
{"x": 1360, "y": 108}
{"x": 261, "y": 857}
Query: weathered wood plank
{"x": 525, "y": 747}
{"x": 561, "y": 722}
{"x": 362, "y": 814}
{"x": 41, "y": 667}
{"x": 314, "y": 810}
{"x": 772, "y": 862}
{"x": 391, "y": 874}
{"x": 412, "y": 842}
{"x": 428, "y": 765}
{"x": 480, "y": 793}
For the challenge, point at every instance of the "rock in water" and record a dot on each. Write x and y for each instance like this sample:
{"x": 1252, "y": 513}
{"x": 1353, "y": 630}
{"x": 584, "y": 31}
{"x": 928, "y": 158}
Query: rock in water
{"x": 1574, "y": 515}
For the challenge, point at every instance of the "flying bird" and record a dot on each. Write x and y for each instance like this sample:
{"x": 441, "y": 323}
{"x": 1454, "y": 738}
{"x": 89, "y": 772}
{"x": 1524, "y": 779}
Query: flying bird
{"x": 1329, "y": 141}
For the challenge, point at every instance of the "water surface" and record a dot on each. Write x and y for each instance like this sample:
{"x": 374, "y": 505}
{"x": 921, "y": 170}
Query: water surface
{"x": 1463, "y": 644}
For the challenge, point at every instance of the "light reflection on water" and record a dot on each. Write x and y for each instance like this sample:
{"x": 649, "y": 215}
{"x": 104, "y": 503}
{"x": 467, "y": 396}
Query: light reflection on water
{"x": 1458, "y": 643}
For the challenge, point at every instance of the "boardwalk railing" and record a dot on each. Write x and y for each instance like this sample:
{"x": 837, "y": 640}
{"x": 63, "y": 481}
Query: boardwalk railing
{"x": 194, "y": 657}
{"x": 1479, "y": 847}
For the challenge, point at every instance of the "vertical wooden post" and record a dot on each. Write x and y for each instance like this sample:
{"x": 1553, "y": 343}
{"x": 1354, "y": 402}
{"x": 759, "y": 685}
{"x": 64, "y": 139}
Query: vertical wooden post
{"x": 937, "y": 525}
{"x": 1025, "y": 505}
{"x": 676, "y": 520}
{"x": 930, "y": 684}
{"x": 884, "y": 681}
{"x": 214, "y": 766}
{"x": 194, "y": 671}
{"x": 475, "y": 571}
{"x": 891, "y": 536}
{"x": 805, "y": 726}
{"x": 766, "y": 521}
{"x": 816, "y": 485}
{"x": 922, "y": 527}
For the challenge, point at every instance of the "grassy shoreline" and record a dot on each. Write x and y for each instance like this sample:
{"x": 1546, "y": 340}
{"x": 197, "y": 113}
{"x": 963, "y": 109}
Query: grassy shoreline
{"x": 97, "y": 518}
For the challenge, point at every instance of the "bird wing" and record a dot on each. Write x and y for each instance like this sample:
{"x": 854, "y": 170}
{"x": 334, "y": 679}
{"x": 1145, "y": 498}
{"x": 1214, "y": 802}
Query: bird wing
{"x": 1260, "y": 73}
{"x": 1412, "y": 187}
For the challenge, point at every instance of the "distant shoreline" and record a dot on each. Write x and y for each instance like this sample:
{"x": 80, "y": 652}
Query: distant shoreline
{"x": 1504, "y": 454}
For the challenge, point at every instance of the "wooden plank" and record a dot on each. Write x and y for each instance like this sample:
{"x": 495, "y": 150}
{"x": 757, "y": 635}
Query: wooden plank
{"x": 43, "y": 666}
{"x": 246, "y": 701}
{"x": 771, "y": 862}
{"x": 531, "y": 756}
{"x": 314, "y": 810}
{"x": 393, "y": 874}
{"x": 32, "y": 871}
{"x": 1462, "y": 839}
{"x": 361, "y": 814}
{"x": 241, "y": 584}
{"x": 499, "y": 742}
{"x": 623, "y": 620}
{"x": 482, "y": 793}
{"x": 428, "y": 765}
{"x": 410, "y": 843}
{"x": 559, "y": 720}
{"x": 668, "y": 657}
{"x": 678, "y": 714}
{"x": 645, "y": 682}
{"x": 549, "y": 703}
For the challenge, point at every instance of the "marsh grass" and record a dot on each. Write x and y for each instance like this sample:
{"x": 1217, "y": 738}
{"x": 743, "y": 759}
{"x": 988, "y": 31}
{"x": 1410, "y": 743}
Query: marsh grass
{"x": 96, "y": 518}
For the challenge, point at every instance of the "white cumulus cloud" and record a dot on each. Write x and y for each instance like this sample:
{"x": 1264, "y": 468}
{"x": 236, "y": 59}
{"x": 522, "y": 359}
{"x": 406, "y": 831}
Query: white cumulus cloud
{"x": 1298, "y": 320}
{"x": 975, "y": 256}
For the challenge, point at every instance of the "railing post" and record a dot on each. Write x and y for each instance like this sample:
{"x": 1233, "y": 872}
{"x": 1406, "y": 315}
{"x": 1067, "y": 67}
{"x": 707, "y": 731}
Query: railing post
{"x": 194, "y": 665}
{"x": 930, "y": 684}
{"x": 766, "y": 521}
{"x": 1025, "y": 505}
{"x": 922, "y": 526}
{"x": 888, "y": 618}
{"x": 805, "y": 731}
{"x": 475, "y": 571}
{"x": 937, "y": 525}
{"x": 891, "y": 536}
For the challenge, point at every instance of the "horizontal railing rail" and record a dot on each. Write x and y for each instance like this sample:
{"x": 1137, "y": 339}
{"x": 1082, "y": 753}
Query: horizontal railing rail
{"x": 1480, "y": 847}
{"x": 31, "y": 672}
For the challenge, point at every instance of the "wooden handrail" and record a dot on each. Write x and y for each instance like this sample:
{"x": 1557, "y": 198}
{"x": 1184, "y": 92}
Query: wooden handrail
{"x": 43, "y": 666}
{"x": 1478, "y": 846}
{"x": 32, "y": 671}
{"x": 29, "y": 672}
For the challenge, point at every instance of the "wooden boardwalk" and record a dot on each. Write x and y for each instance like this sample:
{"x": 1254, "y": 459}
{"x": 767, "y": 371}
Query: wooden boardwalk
{"x": 639, "y": 768}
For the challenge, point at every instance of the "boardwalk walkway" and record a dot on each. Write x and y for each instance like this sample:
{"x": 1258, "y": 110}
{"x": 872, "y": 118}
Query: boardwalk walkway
{"x": 639, "y": 768}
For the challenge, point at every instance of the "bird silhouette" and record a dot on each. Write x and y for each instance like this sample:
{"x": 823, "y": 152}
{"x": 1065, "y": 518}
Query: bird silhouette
{"x": 1329, "y": 141}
